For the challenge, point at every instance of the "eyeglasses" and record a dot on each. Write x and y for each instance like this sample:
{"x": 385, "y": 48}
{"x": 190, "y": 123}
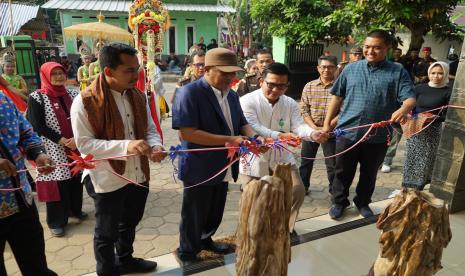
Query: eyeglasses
{"x": 280, "y": 86}
{"x": 199, "y": 65}
{"x": 326, "y": 67}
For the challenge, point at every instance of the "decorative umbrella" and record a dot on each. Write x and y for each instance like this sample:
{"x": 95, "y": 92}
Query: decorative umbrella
{"x": 99, "y": 30}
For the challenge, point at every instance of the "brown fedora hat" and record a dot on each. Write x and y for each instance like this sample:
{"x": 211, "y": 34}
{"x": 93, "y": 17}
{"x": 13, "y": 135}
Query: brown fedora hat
{"x": 224, "y": 59}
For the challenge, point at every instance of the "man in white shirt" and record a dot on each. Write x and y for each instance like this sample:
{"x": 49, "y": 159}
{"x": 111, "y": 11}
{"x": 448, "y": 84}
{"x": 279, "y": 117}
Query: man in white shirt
{"x": 109, "y": 119}
{"x": 275, "y": 115}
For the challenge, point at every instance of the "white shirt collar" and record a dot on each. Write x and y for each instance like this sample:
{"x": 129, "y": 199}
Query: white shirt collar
{"x": 220, "y": 93}
{"x": 118, "y": 93}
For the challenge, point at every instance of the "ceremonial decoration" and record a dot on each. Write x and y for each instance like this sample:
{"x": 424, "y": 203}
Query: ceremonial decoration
{"x": 265, "y": 209}
{"x": 415, "y": 230}
{"x": 148, "y": 20}
{"x": 99, "y": 31}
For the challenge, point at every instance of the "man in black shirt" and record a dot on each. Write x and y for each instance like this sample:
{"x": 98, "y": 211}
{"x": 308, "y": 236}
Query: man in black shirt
{"x": 202, "y": 45}
{"x": 454, "y": 58}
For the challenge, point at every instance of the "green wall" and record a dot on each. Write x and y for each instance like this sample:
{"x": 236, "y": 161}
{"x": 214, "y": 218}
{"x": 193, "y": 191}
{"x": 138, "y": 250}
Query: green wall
{"x": 279, "y": 49}
{"x": 205, "y": 24}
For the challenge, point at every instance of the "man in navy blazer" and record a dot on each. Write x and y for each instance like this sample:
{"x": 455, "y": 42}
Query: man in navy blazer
{"x": 207, "y": 113}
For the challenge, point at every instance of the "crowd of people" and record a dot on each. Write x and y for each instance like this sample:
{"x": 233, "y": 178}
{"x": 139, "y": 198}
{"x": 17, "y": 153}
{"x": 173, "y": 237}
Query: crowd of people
{"x": 210, "y": 108}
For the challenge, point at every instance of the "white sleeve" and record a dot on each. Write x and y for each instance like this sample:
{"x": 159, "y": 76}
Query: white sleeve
{"x": 85, "y": 137}
{"x": 152, "y": 136}
{"x": 250, "y": 109}
{"x": 298, "y": 126}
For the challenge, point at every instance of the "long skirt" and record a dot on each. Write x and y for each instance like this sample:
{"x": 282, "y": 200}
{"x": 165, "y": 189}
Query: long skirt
{"x": 420, "y": 154}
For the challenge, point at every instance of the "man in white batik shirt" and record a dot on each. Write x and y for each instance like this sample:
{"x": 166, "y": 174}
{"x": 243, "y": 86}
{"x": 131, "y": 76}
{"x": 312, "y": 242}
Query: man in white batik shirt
{"x": 275, "y": 115}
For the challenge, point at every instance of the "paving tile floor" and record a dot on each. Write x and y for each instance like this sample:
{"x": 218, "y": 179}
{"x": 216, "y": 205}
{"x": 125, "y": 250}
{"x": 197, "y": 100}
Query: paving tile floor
{"x": 158, "y": 231}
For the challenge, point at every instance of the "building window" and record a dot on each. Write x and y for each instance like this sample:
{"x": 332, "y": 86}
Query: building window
{"x": 172, "y": 39}
{"x": 190, "y": 36}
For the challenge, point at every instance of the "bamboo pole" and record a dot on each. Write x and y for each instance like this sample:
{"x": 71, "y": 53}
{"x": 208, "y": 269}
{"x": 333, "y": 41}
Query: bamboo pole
{"x": 10, "y": 6}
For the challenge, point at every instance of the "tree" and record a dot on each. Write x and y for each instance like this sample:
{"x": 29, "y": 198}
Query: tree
{"x": 306, "y": 21}
{"x": 419, "y": 17}
{"x": 233, "y": 21}
{"x": 300, "y": 21}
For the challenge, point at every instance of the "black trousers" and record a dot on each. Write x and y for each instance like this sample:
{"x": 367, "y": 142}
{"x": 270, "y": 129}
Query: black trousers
{"x": 25, "y": 236}
{"x": 309, "y": 150}
{"x": 117, "y": 214}
{"x": 69, "y": 205}
{"x": 370, "y": 157}
{"x": 201, "y": 215}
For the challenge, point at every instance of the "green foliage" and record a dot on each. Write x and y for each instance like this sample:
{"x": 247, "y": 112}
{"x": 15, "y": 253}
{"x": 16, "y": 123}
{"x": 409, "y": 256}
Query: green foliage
{"x": 420, "y": 17}
{"x": 306, "y": 21}
{"x": 301, "y": 21}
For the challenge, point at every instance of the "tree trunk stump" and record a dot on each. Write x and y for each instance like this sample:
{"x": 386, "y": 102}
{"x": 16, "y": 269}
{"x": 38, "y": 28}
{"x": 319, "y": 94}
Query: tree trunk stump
{"x": 415, "y": 229}
{"x": 263, "y": 242}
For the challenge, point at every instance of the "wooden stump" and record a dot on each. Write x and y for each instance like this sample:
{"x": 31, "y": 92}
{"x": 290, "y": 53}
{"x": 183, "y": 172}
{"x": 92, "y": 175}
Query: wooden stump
{"x": 263, "y": 243}
{"x": 415, "y": 229}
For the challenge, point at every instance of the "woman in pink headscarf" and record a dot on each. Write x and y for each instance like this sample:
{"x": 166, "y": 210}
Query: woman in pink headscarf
{"x": 49, "y": 115}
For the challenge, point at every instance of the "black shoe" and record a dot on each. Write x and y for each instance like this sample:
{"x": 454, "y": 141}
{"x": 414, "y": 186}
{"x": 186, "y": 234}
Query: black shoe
{"x": 307, "y": 192}
{"x": 336, "y": 211}
{"x": 217, "y": 247}
{"x": 137, "y": 265}
{"x": 365, "y": 211}
{"x": 82, "y": 216}
{"x": 57, "y": 232}
{"x": 185, "y": 260}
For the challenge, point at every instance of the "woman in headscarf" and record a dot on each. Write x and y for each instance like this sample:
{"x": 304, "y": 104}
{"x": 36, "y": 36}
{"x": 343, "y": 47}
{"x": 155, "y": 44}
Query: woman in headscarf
{"x": 421, "y": 148}
{"x": 49, "y": 115}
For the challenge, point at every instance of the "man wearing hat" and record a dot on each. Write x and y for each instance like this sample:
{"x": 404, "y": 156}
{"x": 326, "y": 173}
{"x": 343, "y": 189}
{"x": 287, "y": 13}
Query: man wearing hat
{"x": 207, "y": 113}
{"x": 421, "y": 70}
{"x": 355, "y": 54}
{"x": 427, "y": 55}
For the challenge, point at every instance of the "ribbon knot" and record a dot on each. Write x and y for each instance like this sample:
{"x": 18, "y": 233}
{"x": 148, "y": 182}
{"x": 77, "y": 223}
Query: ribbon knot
{"x": 175, "y": 151}
{"x": 80, "y": 163}
{"x": 339, "y": 132}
